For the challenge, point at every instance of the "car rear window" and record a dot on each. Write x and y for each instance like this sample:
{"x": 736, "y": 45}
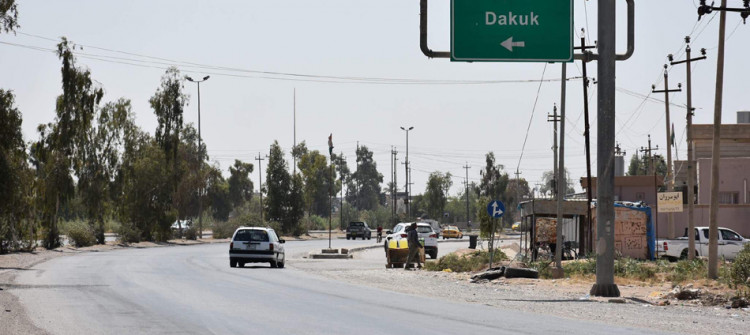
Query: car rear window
{"x": 251, "y": 235}
{"x": 424, "y": 229}
{"x": 357, "y": 224}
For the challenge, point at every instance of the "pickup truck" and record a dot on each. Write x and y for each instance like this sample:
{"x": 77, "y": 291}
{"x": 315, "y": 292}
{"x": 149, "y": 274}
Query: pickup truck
{"x": 730, "y": 243}
{"x": 358, "y": 229}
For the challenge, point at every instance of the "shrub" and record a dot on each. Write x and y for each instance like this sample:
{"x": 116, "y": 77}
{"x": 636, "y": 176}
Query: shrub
{"x": 225, "y": 229}
{"x": 632, "y": 268}
{"x": 80, "y": 234}
{"x": 128, "y": 233}
{"x": 740, "y": 271}
{"x": 191, "y": 233}
{"x": 580, "y": 267}
{"x": 685, "y": 270}
{"x": 474, "y": 261}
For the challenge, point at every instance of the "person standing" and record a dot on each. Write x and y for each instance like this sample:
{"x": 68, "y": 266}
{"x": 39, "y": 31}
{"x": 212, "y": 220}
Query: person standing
{"x": 412, "y": 237}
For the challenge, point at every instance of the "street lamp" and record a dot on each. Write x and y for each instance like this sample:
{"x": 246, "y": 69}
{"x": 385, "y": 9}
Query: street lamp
{"x": 408, "y": 185}
{"x": 200, "y": 154}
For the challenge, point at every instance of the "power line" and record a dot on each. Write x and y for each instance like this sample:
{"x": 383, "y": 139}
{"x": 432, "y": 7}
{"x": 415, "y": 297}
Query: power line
{"x": 531, "y": 118}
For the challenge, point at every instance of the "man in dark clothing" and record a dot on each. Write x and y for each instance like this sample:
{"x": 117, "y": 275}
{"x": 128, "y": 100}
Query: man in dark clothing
{"x": 413, "y": 239}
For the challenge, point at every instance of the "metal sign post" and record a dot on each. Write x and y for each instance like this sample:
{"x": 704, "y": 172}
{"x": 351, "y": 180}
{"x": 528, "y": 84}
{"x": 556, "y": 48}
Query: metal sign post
{"x": 495, "y": 209}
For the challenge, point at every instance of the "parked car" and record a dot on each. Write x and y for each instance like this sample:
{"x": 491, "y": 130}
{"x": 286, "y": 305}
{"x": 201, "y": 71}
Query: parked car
{"x": 358, "y": 229}
{"x": 181, "y": 225}
{"x": 256, "y": 245}
{"x": 452, "y": 232}
{"x": 730, "y": 243}
{"x": 434, "y": 224}
{"x": 425, "y": 232}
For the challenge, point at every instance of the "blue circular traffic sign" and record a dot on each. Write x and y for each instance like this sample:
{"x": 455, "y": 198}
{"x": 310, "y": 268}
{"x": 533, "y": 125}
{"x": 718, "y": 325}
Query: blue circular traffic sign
{"x": 495, "y": 208}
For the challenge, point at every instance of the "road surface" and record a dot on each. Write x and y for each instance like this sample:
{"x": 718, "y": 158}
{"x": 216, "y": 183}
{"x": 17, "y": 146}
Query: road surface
{"x": 192, "y": 289}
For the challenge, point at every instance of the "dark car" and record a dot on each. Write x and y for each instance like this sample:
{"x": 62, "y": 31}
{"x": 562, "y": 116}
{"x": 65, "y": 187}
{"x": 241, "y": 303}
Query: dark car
{"x": 358, "y": 229}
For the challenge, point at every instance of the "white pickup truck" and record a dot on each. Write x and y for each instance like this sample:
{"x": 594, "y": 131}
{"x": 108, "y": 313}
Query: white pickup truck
{"x": 730, "y": 243}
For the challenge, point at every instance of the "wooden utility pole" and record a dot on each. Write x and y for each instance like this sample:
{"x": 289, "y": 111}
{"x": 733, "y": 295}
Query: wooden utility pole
{"x": 260, "y": 186}
{"x": 670, "y": 176}
{"x": 690, "y": 160}
{"x": 713, "y": 230}
{"x": 586, "y": 134}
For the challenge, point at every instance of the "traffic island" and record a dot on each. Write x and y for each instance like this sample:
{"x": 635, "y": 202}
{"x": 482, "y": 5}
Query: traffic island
{"x": 331, "y": 254}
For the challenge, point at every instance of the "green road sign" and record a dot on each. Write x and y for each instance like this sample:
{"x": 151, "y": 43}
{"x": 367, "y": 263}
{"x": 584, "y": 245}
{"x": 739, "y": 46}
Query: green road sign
{"x": 512, "y": 30}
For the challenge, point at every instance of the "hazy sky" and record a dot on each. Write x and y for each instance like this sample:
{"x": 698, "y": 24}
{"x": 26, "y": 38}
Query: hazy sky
{"x": 347, "y": 60}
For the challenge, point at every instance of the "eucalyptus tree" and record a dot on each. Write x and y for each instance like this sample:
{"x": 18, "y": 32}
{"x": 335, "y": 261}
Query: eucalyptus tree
{"x": 368, "y": 180}
{"x": 8, "y": 16}
{"x": 436, "y": 193}
{"x": 284, "y": 193}
{"x": 240, "y": 184}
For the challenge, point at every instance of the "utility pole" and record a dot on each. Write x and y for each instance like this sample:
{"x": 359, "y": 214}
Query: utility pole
{"x": 393, "y": 207}
{"x": 561, "y": 180}
{"x": 468, "y": 218}
{"x": 260, "y": 186}
{"x": 605, "y": 209}
{"x": 294, "y": 159}
{"x": 408, "y": 174}
{"x": 586, "y": 135}
{"x": 200, "y": 156}
{"x": 395, "y": 184}
{"x": 670, "y": 142}
{"x": 649, "y": 159}
{"x": 690, "y": 159}
{"x": 713, "y": 231}
{"x": 341, "y": 220}
{"x": 554, "y": 118}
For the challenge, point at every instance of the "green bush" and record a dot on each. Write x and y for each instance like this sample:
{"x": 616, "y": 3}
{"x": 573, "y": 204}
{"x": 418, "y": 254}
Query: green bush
{"x": 580, "y": 267}
{"x": 633, "y": 268}
{"x": 740, "y": 271}
{"x": 685, "y": 270}
{"x": 225, "y": 229}
{"x": 474, "y": 261}
{"x": 80, "y": 234}
{"x": 128, "y": 233}
{"x": 191, "y": 233}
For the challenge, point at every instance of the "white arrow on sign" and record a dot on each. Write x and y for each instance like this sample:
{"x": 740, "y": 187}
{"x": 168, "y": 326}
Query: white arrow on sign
{"x": 509, "y": 44}
{"x": 495, "y": 210}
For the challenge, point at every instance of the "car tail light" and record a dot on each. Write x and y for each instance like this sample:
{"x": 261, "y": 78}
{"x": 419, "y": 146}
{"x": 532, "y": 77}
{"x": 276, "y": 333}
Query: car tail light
{"x": 666, "y": 248}
{"x": 231, "y": 245}
{"x": 433, "y": 235}
{"x": 403, "y": 235}
{"x": 270, "y": 246}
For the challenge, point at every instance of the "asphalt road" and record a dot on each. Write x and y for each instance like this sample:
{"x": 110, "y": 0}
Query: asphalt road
{"x": 192, "y": 289}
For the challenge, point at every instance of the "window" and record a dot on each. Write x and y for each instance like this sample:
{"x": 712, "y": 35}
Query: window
{"x": 729, "y": 198}
{"x": 251, "y": 235}
{"x": 424, "y": 229}
{"x": 728, "y": 235}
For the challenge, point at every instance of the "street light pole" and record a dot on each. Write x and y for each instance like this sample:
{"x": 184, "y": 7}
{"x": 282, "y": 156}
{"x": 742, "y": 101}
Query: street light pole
{"x": 200, "y": 155}
{"x": 408, "y": 177}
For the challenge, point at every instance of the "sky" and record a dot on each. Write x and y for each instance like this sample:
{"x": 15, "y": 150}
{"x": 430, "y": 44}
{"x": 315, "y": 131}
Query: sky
{"x": 358, "y": 74}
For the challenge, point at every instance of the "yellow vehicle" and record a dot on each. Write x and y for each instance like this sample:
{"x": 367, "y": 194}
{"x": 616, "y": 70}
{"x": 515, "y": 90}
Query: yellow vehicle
{"x": 452, "y": 232}
{"x": 515, "y": 226}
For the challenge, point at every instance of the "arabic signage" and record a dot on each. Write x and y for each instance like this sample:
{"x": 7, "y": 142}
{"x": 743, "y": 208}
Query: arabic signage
{"x": 669, "y": 202}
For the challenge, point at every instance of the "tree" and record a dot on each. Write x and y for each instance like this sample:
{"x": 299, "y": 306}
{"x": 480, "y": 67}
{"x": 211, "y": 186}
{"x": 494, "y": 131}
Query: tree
{"x": 549, "y": 184}
{"x": 102, "y": 154}
{"x": 436, "y": 193}
{"x": 8, "y": 16}
{"x": 240, "y": 185}
{"x": 511, "y": 199}
{"x": 494, "y": 179}
{"x": 641, "y": 166}
{"x": 284, "y": 193}
{"x": 218, "y": 194}
{"x": 316, "y": 175}
{"x": 169, "y": 104}
{"x": 368, "y": 179}
{"x": 15, "y": 178}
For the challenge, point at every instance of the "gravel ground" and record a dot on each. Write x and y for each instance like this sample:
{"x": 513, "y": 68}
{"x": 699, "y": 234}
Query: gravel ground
{"x": 564, "y": 298}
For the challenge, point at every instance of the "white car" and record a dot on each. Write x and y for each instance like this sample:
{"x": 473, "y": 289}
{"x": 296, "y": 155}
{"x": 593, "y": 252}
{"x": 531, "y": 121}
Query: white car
{"x": 256, "y": 245}
{"x": 425, "y": 232}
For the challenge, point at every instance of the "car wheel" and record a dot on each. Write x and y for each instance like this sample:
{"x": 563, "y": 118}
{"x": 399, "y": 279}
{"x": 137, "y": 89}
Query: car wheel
{"x": 232, "y": 263}
{"x": 521, "y": 273}
{"x": 274, "y": 264}
{"x": 348, "y": 237}
{"x": 369, "y": 237}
